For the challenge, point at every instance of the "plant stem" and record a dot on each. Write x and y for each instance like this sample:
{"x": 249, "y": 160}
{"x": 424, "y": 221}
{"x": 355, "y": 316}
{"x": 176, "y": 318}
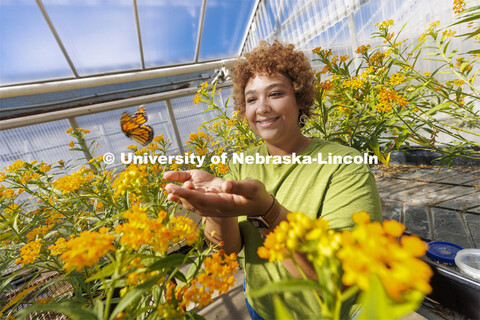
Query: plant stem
{"x": 304, "y": 276}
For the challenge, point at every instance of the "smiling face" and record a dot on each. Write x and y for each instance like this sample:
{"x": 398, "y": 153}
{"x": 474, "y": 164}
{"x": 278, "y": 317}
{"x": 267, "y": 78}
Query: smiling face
{"x": 272, "y": 109}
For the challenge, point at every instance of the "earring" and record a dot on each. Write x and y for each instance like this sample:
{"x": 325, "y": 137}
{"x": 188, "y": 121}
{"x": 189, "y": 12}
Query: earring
{"x": 303, "y": 119}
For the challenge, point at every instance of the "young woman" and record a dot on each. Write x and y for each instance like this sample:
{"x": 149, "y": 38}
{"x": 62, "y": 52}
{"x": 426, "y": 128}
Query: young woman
{"x": 274, "y": 89}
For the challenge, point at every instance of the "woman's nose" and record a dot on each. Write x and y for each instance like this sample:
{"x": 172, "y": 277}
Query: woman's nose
{"x": 263, "y": 106}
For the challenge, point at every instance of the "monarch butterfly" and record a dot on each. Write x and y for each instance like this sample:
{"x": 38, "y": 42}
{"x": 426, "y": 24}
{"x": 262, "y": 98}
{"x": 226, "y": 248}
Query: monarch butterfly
{"x": 133, "y": 127}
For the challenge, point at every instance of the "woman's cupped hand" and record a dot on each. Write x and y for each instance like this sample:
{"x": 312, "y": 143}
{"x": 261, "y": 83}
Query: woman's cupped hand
{"x": 210, "y": 196}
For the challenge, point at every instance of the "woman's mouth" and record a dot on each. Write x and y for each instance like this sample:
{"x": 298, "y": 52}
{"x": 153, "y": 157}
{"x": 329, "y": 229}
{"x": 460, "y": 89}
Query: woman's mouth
{"x": 266, "y": 122}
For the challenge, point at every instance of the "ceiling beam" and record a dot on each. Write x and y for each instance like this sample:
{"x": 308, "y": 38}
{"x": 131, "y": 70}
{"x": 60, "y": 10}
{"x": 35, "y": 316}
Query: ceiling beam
{"x": 200, "y": 29}
{"x": 52, "y": 86}
{"x": 57, "y": 37}
{"x": 249, "y": 26}
{"x": 139, "y": 34}
{"x": 100, "y": 107}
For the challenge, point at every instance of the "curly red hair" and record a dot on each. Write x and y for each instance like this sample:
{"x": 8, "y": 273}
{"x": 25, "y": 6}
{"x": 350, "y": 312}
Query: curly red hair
{"x": 270, "y": 59}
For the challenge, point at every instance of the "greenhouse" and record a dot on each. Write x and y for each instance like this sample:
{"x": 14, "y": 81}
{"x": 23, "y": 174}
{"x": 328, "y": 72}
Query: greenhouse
{"x": 239, "y": 159}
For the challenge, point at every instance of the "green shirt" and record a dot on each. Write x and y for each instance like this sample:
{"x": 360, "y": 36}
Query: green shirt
{"x": 332, "y": 191}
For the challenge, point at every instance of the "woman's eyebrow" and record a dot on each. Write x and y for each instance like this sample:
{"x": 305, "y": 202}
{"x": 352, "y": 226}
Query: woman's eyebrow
{"x": 270, "y": 86}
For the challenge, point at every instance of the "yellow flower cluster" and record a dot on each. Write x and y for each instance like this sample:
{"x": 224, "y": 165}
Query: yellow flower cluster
{"x": 220, "y": 168}
{"x": 345, "y": 110}
{"x": 45, "y": 167}
{"x": 72, "y": 182}
{"x": 130, "y": 179}
{"x": 137, "y": 274}
{"x": 396, "y": 78}
{"x": 70, "y": 130}
{"x": 29, "y": 252}
{"x": 319, "y": 51}
{"x": 430, "y": 29}
{"x": 15, "y": 166}
{"x": 387, "y": 98}
{"x": 458, "y": 6}
{"x": 372, "y": 249}
{"x": 325, "y": 85}
{"x": 362, "y": 48}
{"x": 384, "y": 24}
{"x": 183, "y": 228}
{"x": 217, "y": 276}
{"x": 6, "y": 193}
{"x": 142, "y": 230}
{"x": 201, "y": 142}
{"x": 87, "y": 249}
{"x": 40, "y": 231}
{"x": 198, "y": 97}
{"x": 59, "y": 247}
{"x": 300, "y": 233}
{"x": 449, "y": 33}
{"x": 375, "y": 58}
{"x": 356, "y": 82}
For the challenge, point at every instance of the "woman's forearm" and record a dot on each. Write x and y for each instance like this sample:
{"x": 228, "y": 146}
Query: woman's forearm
{"x": 224, "y": 232}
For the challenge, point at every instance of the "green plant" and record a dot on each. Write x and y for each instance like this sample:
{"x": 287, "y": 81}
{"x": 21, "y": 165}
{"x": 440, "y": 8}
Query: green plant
{"x": 387, "y": 103}
{"x": 111, "y": 236}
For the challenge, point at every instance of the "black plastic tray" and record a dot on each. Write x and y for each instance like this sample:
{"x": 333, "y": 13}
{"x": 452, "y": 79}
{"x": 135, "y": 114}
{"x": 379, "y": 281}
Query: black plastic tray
{"x": 455, "y": 290}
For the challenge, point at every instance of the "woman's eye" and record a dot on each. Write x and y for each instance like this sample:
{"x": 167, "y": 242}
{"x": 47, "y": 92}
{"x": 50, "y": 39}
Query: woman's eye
{"x": 250, "y": 100}
{"x": 276, "y": 94}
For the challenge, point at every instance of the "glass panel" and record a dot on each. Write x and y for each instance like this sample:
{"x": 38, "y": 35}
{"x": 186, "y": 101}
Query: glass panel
{"x": 28, "y": 50}
{"x": 169, "y": 31}
{"x": 45, "y": 141}
{"x": 224, "y": 28}
{"x": 189, "y": 116}
{"x": 99, "y": 36}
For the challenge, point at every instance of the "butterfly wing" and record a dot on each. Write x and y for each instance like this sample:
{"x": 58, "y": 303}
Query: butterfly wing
{"x": 127, "y": 124}
{"x": 132, "y": 126}
{"x": 140, "y": 116}
{"x": 142, "y": 135}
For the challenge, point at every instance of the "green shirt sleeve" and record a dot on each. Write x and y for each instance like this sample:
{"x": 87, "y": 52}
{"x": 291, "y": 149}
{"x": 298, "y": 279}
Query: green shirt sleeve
{"x": 347, "y": 194}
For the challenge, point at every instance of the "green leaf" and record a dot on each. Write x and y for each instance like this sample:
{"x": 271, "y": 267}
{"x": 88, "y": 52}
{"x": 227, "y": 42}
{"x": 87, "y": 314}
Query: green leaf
{"x": 285, "y": 286}
{"x": 376, "y": 304}
{"x": 180, "y": 276}
{"x": 170, "y": 261}
{"x": 438, "y": 107}
{"x": 452, "y": 54}
{"x": 74, "y": 310}
{"x": 7, "y": 281}
{"x": 99, "y": 308}
{"x": 209, "y": 109}
{"x": 473, "y": 51}
{"x": 105, "y": 272}
{"x": 281, "y": 311}
{"x": 136, "y": 293}
{"x": 226, "y": 102}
